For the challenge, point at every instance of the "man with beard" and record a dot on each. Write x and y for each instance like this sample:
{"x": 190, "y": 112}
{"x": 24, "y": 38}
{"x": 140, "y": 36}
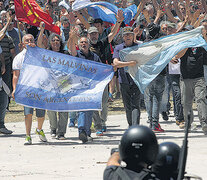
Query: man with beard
{"x": 99, "y": 47}
{"x": 84, "y": 117}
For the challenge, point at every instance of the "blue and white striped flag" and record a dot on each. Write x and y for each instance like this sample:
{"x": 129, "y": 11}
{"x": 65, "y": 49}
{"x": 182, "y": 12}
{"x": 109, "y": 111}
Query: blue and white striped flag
{"x": 129, "y": 13}
{"x": 104, "y": 10}
{"x": 59, "y": 82}
{"x": 152, "y": 57}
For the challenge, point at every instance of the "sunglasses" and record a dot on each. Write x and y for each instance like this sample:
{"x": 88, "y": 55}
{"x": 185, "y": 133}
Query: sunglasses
{"x": 57, "y": 40}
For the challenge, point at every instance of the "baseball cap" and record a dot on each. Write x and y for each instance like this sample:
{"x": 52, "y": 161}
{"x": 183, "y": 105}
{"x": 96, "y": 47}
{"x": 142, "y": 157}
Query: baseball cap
{"x": 92, "y": 29}
{"x": 127, "y": 30}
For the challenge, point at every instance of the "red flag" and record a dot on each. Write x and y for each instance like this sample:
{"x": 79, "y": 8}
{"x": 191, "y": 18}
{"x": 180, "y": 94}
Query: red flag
{"x": 30, "y": 12}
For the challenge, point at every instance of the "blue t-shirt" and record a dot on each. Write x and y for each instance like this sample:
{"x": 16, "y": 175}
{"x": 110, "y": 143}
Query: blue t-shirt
{"x": 124, "y": 77}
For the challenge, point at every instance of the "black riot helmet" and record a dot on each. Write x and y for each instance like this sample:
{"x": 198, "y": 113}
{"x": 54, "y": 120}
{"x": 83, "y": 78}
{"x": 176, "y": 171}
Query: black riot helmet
{"x": 138, "y": 145}
{"x": 166, "y": 164}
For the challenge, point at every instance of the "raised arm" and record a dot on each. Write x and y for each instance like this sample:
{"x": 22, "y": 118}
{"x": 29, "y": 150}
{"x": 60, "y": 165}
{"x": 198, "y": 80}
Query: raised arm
{"x": 156, "y": 5}
{"x": 197, "y": 23}
{"x": 177, "y": 10}
{"x": 146, "y": 15}
{"x": 4, "y": 29}
{"x": 195, "y": 16}
{"x": 120, "y": 18}
{"x": 204, "y": 5}
{"x": 41, "y": 36}
{"x": 183, "y": 24}
{"x": 83, "y": 20}
{"x": 139, "y": 8}
{"x": 138, "y": 32}
{"x": 187, "y": 7}
{"x": 169, "y": 13}
{"x": 84, "y": 12}
{"x": 72, "y": 41}
{"x": 160, "y": 13}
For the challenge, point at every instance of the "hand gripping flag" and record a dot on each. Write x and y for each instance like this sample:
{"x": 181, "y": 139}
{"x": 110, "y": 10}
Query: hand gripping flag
{"x": 152, "y": 57}
{"x": 30, "y": 12}
{"x": 59, "y": 82}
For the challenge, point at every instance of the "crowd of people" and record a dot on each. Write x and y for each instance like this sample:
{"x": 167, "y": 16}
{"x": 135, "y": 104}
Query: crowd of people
{"x": 94, "y": 39}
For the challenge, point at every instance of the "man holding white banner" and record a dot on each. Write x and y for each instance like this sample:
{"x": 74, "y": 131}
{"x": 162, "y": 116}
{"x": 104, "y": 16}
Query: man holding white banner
{"x": 129, "y": 90}
{"x": 152, "y": 57}
{"x": 28, "y": 39}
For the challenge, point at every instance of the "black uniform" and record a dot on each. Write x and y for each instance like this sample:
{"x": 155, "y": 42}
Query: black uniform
{"x": 121, "y": 173}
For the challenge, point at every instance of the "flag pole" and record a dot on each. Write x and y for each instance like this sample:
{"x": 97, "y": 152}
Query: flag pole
{"x": 20, "y": 39}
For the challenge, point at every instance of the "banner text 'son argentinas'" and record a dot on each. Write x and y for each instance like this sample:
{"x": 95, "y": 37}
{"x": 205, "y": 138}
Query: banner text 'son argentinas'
{"x": 38, "y": 97}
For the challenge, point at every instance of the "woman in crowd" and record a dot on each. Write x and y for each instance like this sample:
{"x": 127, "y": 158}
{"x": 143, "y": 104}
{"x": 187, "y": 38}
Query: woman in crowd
{"x": 58, "y": 120}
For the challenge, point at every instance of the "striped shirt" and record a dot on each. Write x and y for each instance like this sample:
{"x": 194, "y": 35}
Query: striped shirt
{"x": 7, "y": 44}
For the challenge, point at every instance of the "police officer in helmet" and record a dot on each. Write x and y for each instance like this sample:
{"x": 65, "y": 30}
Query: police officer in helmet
{"x": 166, "y": 164}
{"x": 138, "y": 149}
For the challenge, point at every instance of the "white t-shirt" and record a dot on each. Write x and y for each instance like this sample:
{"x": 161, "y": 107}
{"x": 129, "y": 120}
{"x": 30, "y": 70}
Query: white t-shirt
{"x": 18, "y": 60}
{"x": 174, "y": 68}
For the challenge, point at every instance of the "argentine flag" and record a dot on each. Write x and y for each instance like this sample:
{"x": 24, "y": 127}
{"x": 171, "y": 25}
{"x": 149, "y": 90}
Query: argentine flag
{"x": 129, "y": 13}
{"x": 104, "y": 10}
{"x": 152, "y": 57}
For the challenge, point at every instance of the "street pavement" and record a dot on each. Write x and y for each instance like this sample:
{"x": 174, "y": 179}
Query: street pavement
{"x": 70, "y": 159}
